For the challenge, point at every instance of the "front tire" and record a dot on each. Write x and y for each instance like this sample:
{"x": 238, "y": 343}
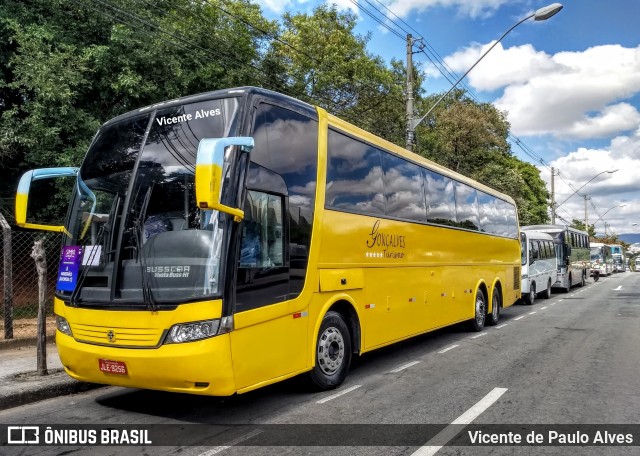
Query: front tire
{"x": 530, "y": 297}
{"x": 546, "y": 294}
{"x": 333, "y": 352}
{"x": 496, "y": 303}
{"x": 480, "y": 312}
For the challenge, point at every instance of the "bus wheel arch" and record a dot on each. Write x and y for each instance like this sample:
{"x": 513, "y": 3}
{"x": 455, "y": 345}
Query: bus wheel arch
{"x": 496, "y": 305}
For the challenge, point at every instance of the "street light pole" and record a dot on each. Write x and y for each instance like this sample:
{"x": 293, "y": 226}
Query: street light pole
{"x": 602, "y": 216}
{"x": 584, "y": 185}
{"x": 540, "y": 15}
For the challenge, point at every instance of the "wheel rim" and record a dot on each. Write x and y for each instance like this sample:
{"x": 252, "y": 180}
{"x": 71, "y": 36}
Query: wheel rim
{"x": 330, "y": 350}
{"x": 532, "y": 295}
{"x": 495, "y": 307}
{"x": 480, "y": 309}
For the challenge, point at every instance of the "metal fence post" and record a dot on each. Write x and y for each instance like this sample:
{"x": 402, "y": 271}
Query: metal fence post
{"x": 8, "y": 278}
{"x": 40, "y": 257}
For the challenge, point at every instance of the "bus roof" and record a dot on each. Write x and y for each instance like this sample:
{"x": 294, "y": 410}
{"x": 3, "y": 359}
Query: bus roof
{"x": 533, "y": 234}
{"x": 552, "y": 228}
{"x": 225, "y": 93}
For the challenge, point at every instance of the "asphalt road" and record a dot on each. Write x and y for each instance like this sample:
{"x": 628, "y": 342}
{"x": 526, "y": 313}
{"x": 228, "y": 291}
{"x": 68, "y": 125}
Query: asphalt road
{"x": 571, "y": 360}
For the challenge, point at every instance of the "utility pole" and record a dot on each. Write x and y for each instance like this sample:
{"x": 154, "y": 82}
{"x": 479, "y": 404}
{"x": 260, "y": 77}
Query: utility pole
{"x": 410, "y": 127}
{"x": 553, "y": 197}
{"x": 586, "y": 217}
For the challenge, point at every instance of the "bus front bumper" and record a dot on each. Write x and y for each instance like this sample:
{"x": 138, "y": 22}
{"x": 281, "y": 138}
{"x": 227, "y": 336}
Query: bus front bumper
{"x": 201, "y": 367}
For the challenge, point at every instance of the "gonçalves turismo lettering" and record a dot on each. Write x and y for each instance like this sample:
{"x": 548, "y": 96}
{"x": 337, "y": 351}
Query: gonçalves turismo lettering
{"x": 200, "y": 114}
{"x": 389, "y": 242}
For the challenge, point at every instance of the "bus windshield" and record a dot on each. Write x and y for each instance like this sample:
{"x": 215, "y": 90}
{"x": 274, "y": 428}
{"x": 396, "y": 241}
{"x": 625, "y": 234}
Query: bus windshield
{"x": 133, "y": 223}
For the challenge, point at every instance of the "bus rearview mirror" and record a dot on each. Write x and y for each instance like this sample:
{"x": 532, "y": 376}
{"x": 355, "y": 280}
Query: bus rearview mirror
{"x": 217, "y": 174}
{"x": 22, "y": 195}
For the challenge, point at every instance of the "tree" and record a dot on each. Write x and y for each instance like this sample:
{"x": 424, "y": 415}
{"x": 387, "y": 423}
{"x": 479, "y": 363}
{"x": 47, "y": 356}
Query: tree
{"x": 68, "y": 67}
{"x": 320, "y": 59}
{"x": 471, "y": 138}
{"x": 579, "y": 225}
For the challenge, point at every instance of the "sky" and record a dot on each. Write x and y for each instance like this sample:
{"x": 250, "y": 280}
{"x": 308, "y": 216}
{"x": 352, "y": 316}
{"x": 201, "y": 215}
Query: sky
{"x": 570, "y": 85}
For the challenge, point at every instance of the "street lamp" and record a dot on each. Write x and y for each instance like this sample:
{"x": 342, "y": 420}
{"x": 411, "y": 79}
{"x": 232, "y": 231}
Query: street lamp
{"x": 541, "y": 14}
{"x": 600, "y": 218}
{"x": 584, "y": 185}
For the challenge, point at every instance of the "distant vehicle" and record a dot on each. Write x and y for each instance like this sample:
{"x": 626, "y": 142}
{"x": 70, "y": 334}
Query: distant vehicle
{"x": 601, "y": 259}
{"x": 619, "y": 260}
{"x": 637, "y": 264}
{"x": 539, "y": 265}
{"x": 572, "y": 253}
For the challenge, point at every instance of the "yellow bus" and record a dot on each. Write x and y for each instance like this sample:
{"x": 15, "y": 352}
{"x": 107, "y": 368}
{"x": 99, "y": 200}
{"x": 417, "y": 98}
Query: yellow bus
{"x": 222, "y": 242}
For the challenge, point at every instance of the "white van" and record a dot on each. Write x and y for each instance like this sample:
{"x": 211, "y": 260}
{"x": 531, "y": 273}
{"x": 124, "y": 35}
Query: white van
{"x": 539, "y": 265}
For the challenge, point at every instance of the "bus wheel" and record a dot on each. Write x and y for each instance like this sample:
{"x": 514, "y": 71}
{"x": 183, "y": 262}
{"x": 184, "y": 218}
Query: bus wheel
{"x": 546, "y": 294}
{"x": 530, "y": 297}
{"x": 480, "y": 312}
{"x": 494, "y": 316}
{"x": 333, "y": 352}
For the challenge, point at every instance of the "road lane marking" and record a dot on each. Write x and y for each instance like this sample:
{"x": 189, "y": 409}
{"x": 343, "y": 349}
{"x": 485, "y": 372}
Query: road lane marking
{"x": 479, "y": 335}
{"x": 502, "y": 325}
{"x": 345, "y": 391}
{"x": 543, "y": 308}
{"x": 618, "y": 289}
{"x": 240, "y": 439}
{"x": 531, "y": 313}
{"x": 451, "y": 347}
{"x": 403, "y": 367}
{"x": 552, "y": 304}
{"x": 453, "y": 429}
{"x": 520, "y": 317}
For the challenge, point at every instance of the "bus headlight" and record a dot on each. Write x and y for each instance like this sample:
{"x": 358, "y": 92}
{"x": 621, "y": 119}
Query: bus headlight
{"x": 198, "y": 330}
{"x": 63, "y": 325}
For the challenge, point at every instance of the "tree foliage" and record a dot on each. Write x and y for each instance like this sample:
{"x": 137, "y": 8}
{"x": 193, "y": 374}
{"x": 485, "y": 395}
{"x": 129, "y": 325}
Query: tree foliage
{"x": 471, "y": 138}
{"x": 68, "y": 66}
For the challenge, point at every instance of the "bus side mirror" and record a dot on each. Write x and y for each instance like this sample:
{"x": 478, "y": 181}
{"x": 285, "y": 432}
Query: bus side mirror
{"x": 218, "y": 175}
{"x": 22, "y": 195}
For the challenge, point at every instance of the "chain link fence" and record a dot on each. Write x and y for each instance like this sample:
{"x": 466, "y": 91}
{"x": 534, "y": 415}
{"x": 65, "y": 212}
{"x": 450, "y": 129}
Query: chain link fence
{"x": 19, "y": 279}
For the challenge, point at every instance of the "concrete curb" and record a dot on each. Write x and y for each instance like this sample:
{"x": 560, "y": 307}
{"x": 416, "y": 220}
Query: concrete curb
{"x": 45, "y": 387}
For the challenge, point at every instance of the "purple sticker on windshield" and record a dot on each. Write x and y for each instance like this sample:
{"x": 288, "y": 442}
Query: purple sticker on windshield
{"x": 70, "y": 258}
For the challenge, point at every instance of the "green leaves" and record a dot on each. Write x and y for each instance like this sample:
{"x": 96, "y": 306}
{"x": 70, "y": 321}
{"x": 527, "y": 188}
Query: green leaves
{"x": 68, "y": 66}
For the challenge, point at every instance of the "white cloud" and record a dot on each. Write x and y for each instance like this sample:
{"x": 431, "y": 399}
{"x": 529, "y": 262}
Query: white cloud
{"x": 606, "y": 191}
{"x": 471, "y": 8}
{"x": 569, "y": 94}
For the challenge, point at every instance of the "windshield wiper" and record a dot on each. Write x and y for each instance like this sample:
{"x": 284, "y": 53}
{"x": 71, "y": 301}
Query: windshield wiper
{"x": 147, "y": 294}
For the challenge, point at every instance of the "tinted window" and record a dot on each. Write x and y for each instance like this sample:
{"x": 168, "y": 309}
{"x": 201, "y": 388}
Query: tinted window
{"x": 466, "y": 206}
{"x": 284, "y": 161}
{"x": 403, "y": 188}
{"x": 441, "y": 207}
{"x": 354, "y": 176}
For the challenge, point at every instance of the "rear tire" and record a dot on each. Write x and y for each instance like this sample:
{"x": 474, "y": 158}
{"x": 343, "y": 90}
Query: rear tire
{"x": 333, "y": 352}
{"x": 546, "y": 294}
{"x": 496, "y": 303}
{"x": 480, "y": 306}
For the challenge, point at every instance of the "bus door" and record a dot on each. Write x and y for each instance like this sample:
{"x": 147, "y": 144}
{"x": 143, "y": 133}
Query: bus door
{"x": 270, "y": 335}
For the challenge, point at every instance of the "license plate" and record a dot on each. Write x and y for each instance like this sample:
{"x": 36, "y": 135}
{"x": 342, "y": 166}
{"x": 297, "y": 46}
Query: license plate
{"x": 112, "y": 367}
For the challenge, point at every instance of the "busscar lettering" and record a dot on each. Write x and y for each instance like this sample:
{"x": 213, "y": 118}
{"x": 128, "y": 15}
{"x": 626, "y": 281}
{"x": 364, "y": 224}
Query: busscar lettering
{"x": 171, "y": 272}
{"x": 387, "y": 241}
